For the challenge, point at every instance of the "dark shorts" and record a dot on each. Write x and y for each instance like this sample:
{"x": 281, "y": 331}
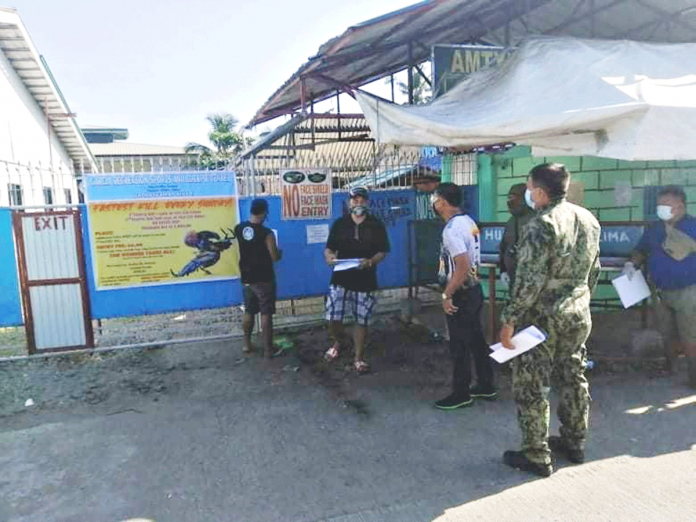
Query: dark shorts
{"x": 260, "y": 298}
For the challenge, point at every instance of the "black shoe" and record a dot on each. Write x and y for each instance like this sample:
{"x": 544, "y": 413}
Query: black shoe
{"x": 453, "y": 402}
{"x": 488, "y": 393}
{"x": 559, "y": 446}
{"x": 517, "y": 460}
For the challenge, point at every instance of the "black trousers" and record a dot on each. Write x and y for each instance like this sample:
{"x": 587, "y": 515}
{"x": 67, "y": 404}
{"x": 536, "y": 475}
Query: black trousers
{"x": 467, "y": 340}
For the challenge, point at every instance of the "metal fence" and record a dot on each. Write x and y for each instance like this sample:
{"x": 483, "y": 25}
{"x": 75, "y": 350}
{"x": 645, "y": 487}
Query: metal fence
{"x": 201, "y": 325}
{"x": 255, "y": 177}
{"x": 36, "y": 184}
{"x": 381, "y": 170}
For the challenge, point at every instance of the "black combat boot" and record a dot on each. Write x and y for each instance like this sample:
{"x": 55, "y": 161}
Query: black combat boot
{"x": 559, "y": 446}
{"x": 518, "y": 460}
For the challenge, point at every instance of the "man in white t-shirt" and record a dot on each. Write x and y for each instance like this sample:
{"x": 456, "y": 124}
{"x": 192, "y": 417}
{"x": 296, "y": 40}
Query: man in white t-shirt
{"x": 462, "y": 300}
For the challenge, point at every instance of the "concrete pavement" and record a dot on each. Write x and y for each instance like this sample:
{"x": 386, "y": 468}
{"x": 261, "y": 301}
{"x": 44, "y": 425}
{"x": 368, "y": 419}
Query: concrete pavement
{"x": 233, "y": 441}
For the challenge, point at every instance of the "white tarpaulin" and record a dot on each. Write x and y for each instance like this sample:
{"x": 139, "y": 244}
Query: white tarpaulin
{"x": 563, "y": 96}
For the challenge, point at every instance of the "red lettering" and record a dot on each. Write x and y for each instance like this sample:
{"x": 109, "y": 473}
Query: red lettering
{"x": 291, "y": 201}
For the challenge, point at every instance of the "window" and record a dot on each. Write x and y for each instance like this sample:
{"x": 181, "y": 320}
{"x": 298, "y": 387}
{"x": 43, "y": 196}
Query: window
{"x": 15, "y": 194}
{"x": 48, "y": 195}
{"x": 68, "y": 196}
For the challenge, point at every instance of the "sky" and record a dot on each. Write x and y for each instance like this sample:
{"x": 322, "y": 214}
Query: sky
{"x": 159, "y": 67}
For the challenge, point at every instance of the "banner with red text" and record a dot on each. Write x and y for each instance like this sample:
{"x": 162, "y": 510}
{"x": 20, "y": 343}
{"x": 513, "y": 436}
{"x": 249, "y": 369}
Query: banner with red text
{"x": 306, "y": 193}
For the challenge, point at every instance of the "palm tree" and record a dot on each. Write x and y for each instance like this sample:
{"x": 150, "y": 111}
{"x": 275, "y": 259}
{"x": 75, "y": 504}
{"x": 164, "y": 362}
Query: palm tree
{"x": 226, "y": 139}
{"x": 421, "y": 89}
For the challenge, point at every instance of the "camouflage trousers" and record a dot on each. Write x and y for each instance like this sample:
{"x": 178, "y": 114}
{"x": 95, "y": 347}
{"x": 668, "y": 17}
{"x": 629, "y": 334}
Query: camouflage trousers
{"x": 559, "y": 362}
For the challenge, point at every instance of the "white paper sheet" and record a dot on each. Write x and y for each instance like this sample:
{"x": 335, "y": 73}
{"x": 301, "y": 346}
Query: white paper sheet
{"x": 633, "y": 291}
{"x": 317, "y": 234}
{"x": 275, "y": 233}
{"x": 346, "y": 264}
{"x": 523, "y": 341}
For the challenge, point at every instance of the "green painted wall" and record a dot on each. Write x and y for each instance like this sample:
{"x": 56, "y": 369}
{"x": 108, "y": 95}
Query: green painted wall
{"x": 446, "y": 168}
{"x": 601, "y": 176}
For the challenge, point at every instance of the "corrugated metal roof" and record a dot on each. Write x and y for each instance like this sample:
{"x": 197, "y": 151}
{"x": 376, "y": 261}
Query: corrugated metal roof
{"x": 379, "y": 47}
{"x": 16, "y": 45}
{"x": 343, "y": 142}
{"x": 119, "y": 148}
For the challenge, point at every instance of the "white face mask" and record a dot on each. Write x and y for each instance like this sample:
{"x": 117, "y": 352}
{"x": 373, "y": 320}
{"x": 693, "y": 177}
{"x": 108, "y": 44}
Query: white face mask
{"x": 664, "y": 212}
{"x": 528, "y": 199}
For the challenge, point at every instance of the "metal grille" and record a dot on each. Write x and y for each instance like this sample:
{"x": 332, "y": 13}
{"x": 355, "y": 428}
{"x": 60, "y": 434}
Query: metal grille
{"x": 149, "y": 164}
{"x": 227, "y": 322}
{"x": 30, "y": 183}
{"x": 385, "y": 171}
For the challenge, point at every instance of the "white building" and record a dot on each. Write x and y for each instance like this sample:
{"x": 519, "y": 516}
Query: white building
{"x": 114, "y": 154}
{"x": 42, "y": 151}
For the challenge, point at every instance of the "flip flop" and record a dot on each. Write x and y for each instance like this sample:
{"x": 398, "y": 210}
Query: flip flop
{"x": 331, "y": 353}
{"x": 361, "y": 367}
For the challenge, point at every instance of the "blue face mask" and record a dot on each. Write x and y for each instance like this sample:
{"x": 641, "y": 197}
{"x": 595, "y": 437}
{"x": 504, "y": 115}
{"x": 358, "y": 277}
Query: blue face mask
{"x": 528, "y": 199}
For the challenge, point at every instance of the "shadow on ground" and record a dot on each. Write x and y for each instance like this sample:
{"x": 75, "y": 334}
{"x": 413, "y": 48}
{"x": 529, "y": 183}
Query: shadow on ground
{"x": 202, "y": 433}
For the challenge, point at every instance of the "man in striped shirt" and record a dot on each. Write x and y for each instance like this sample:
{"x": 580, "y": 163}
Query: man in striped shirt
{"x": 462, "y": 300}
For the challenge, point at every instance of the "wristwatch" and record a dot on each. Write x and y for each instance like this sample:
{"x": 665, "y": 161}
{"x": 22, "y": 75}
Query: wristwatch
{"x": 445, "y": 297}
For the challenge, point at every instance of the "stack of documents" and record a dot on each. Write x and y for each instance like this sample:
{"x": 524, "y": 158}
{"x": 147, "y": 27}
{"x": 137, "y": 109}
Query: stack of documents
{"x": 631, "y": 291}
{"x": 346, "y": 264}
{"x": 523, "y": 341}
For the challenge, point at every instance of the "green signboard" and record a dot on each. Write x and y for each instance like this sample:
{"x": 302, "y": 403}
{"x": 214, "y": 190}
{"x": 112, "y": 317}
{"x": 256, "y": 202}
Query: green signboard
{"x": 452, "y": 63}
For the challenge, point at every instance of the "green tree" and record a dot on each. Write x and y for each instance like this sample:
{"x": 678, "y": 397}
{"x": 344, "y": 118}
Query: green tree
{"x": 226, "y": 139}
{"x": 421, "y": 89}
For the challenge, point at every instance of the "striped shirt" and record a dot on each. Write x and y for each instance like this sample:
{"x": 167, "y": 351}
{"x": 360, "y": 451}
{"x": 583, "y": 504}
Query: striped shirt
{"x": 460, "y": 236}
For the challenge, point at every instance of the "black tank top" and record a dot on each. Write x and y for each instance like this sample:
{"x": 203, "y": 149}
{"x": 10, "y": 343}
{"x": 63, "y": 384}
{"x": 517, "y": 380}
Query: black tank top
{"x": 255, "y": 261}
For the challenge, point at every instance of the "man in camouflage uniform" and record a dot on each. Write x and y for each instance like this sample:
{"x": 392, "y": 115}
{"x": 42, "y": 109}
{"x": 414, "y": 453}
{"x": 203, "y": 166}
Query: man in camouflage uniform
{"x": 557, "y": 269}
{"x": 521, "y": 214}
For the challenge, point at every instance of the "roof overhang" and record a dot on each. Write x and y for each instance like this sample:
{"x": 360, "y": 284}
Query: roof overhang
{"x": 17, "y": 46}
{"x": 318, "y": 133}
{"x": 391, "y": 43}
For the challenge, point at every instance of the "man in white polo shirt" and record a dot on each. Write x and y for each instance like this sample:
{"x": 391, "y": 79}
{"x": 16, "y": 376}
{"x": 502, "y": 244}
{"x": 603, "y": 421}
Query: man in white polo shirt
{"x": 462, "y": 300}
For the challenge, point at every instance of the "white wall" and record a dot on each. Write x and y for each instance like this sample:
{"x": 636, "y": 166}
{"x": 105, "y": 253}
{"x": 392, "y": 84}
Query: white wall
{"x": 24, "y": 148}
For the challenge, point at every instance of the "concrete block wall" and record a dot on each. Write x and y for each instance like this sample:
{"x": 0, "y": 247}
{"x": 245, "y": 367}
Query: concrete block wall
{"x": 604, "y": 179}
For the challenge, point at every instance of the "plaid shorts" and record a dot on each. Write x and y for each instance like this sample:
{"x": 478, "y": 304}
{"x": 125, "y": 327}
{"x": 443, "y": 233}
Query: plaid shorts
{"x": 361, "y": 304}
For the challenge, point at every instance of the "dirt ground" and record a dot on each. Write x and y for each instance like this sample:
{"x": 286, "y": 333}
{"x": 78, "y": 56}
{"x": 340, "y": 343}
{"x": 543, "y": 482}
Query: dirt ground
{"x": 413, "y": 356}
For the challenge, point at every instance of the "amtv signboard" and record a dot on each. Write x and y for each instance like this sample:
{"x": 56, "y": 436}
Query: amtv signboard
{"x": 452, "y": 63}
{"x": 306, "y": 193}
